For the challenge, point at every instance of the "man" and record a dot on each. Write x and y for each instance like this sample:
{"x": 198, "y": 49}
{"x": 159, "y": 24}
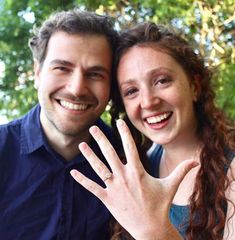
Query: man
{"x": 38, "y": 197}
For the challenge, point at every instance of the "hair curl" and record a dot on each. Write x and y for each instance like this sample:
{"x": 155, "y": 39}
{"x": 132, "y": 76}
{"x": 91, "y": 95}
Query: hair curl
{"x": 208, "y": 200}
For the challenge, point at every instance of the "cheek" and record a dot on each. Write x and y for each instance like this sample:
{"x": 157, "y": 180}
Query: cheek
{"x": 45, "y": 87}
{"x": 132, "y": 110}
{"x": 177, "y": 100}
{"x": 179, "y": 97}
{"x": 184, "y": 107}
{"x": 42, "y": 81}
{"x": 50, "y": 83}
{"x": 102, "y": 91}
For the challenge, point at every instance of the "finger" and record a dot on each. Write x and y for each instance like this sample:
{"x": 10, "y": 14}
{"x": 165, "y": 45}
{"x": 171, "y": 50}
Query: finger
{"x": 129, "y": 145}
{"x": 177, "y": 176}
{"x": 91, "y": 186}
{"x": 99, "y": 167}
{"x": 106, "y": 148}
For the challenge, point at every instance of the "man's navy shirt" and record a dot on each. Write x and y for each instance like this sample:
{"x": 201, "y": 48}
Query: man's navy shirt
{"x": 39, "y": 199}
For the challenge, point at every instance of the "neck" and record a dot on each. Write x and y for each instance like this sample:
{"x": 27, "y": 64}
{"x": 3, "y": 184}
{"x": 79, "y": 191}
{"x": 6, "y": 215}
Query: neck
{"x": 174, "y": 154}
{"x": 67, "y": 147}
{"x": 182, "y": 147}
{"x": 64, "y": 144}
{"x": 181, "y": 153}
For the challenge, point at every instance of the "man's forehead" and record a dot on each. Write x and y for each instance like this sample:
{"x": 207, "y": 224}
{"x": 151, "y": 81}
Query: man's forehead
{"x": 69, "y": 49}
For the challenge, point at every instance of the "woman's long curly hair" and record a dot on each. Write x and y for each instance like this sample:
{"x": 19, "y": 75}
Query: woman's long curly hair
{"x": 208, "y": 201}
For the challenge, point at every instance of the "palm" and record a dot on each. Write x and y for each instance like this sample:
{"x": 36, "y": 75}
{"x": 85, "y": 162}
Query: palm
{"x": 131, "y": 194}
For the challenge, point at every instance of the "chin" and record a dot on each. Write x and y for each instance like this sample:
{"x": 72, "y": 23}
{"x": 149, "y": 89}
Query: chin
{"x": 69, "y": 129}
{"x": 163, "y": 140}
{"x": 71, "y": 132}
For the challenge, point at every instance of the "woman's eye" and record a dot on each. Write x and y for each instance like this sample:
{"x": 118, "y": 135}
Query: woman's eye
{"x": 162, "y": 81}
{"x": 129, "y": 92}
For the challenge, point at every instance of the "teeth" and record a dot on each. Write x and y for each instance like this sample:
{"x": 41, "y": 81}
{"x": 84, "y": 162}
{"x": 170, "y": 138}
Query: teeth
{"x": 157, "y": 119}
{"x": 73, "y": 106}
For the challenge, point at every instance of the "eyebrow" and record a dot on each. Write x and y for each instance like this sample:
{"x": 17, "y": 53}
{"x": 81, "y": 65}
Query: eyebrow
{"x": 150, "y": 73}
{"x": 61, "y": 62}
{"x": 98, "y": 68}
{"x": 159, "y": 69}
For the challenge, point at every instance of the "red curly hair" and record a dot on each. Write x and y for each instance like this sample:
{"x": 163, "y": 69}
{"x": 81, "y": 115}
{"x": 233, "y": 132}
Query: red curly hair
{"x": 208, "y": 201}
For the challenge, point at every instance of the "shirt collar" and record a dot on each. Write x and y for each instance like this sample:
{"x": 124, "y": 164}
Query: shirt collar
{"x": 32, "y": 137}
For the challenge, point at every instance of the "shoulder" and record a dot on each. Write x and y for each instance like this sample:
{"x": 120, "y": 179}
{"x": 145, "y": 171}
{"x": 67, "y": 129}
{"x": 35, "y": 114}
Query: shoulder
{"x": 12, "y": 131}
{"x": 231, "y": 175}
{"x": 230, "y": 191}
{"x": 231, "y": 170}
{"x": 155, "y": 152}
{"x": 9, "y": 141}
{"x": 9, "y": 128}
{"x": 230, "y": 156}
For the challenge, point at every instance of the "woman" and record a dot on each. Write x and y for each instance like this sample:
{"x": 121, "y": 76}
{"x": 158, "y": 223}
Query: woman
{"x": 166, "y": 93}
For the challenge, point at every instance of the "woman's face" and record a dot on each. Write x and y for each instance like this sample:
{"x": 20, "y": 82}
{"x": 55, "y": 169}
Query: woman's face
{"x": 157, "y": 94}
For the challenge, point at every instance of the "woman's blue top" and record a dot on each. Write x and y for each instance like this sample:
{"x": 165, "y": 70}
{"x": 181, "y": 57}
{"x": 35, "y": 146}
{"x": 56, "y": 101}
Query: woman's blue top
{"x": 179, "y": 215}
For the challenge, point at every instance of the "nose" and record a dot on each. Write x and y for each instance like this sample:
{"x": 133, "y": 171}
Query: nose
{"x": 77, "y": 84}
{"x": 148, "y": 99}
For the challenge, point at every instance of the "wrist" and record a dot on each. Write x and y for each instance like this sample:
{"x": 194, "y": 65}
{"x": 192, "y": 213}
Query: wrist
{"x": 165, "y": 232}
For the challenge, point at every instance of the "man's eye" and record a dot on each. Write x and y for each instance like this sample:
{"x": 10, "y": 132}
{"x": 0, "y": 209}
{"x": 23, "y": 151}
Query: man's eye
{"x": 95, "y": 75}
{"x": 62, "y": 69}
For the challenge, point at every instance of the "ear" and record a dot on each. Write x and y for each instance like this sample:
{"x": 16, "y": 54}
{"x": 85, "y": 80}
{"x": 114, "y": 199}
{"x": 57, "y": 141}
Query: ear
{"x": 196, "y": 87}
{"x": 37, "y": 70}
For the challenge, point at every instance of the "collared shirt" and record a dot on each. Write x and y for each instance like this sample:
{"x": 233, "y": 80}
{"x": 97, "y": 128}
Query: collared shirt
{"x": 39, "y": 199}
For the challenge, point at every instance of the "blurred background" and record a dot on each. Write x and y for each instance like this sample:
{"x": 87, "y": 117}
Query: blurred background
{"x": 209, "y": 25}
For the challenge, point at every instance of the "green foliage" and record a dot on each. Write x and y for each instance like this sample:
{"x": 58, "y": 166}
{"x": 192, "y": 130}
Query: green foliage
{"x": 225, "y": 89}
{"x": 209, "y": 24}
{"x": 17, "y": 19}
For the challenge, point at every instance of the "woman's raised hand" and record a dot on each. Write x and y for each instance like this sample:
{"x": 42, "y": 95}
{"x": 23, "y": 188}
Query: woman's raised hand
{"x": 139, "y": 202}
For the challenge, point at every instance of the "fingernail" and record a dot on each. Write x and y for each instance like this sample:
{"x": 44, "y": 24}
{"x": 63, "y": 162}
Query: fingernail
{"x": 120, "y": 123}
{"x": 82, "y": 146}
{"x": 194, "y": 164}
{"x": 73, "y": 172}
{"x": 93, "y": 129}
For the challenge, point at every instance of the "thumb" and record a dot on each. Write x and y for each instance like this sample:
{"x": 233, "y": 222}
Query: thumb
{"x": 176, "y": 177}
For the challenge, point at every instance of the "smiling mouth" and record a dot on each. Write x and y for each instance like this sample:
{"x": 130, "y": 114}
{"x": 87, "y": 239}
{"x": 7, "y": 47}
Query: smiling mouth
{"x": 73, "y": 106}
{"x": 159, "y": 118}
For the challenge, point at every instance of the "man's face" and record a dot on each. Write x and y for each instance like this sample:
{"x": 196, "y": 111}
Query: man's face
{"x": 73, "y": 83}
